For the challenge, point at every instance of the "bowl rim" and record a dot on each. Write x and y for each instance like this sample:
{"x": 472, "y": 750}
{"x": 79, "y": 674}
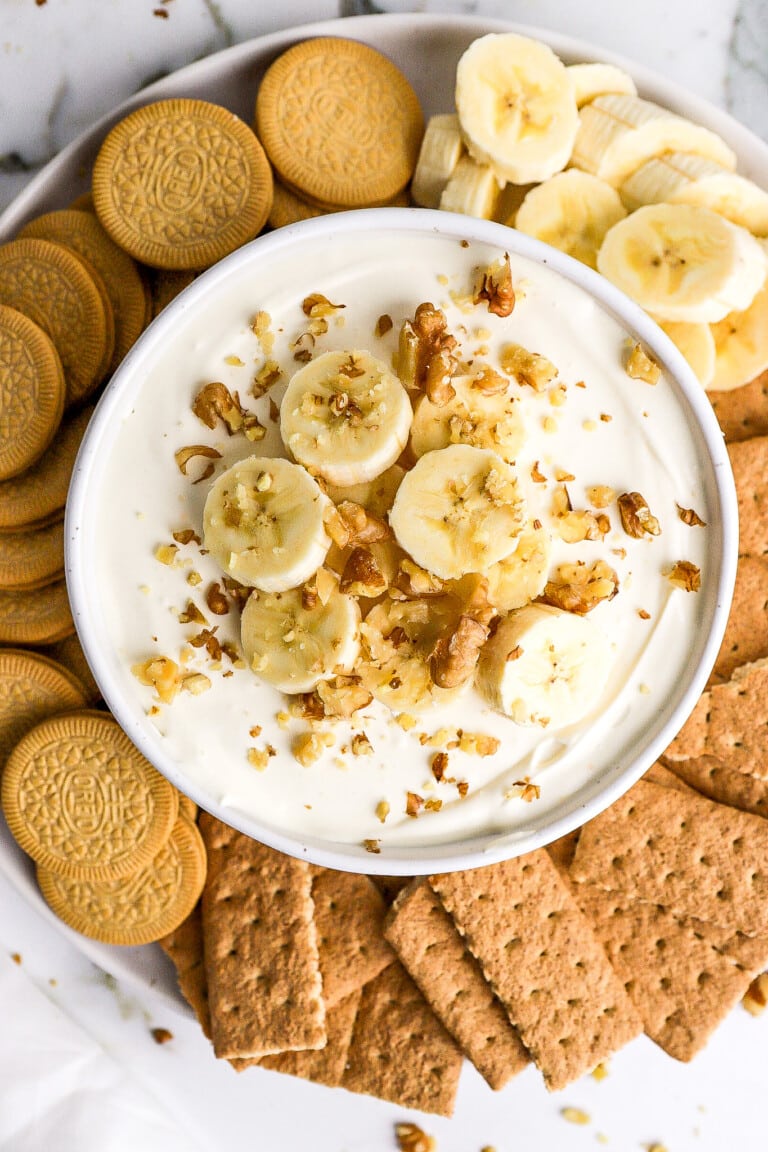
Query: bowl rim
{"x": 477, "y": 850}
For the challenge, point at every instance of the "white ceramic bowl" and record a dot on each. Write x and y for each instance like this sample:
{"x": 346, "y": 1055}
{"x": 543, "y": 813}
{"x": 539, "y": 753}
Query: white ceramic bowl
{"x": 91, "y": 549}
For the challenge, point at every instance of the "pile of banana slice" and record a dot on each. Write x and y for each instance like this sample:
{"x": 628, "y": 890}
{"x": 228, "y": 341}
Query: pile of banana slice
{"x": 368, "y": 579}
{"x": 573, "y": 156}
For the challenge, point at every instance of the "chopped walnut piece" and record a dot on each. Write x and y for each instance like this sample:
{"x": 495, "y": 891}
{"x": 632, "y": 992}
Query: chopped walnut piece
{"x": 439, "y": 765}
{"x": 580, "y": 588}
{"x": 489, "y": 382}
{"x": 166, "y": 554}
{"x": 383, "y": 325}
{"x": 216, "y": 402}
{"x": 307, "y": 706}
{"x": 343, "y": 696}
{"x": 184, "y": 455}
{"x": 455, "y": 654}
{"x": 600, "y": 495}
{"x": 238, "y": 592}
{"x": 640, "y": 366}
{"x": 335, "y": 526}
{"x": 326, "y": 584}
{"x": 426, "y": 357}
{"x": 417, "y": 582}
{"x": 196, "y": 683}
{"x": 573, "y": 526}
{"x": 636, "y": 517}
{"x": 206, "y": 638}
{"x": 317, "y": 305}
{"x": 216, "y": 600}
{"x": 192, "y": 614}
{"x": 258, "y": 758}
{"x": 433, "y": 804}
{"x": 530, "y": 792}
{"x": 268, "y": 375}
{"x": 362, "y": 575}
{"x": 309, "y": 747}
{"x": 686, "y": 576}
{"x": 372, "y": 846}
{"x": 494, "y": 285}
{"x": 414, "y": 803}
{"x": 161, "y": 1035}
{"x": 756, "y": 997}
{"x": 362, "y": 525}
{"x": 411, "y": 1138}
{"x": 575, "y": 1115}
{"x": 405, "y": 721}
{"x": 382, "y": 811}
{"x": 162, "y": 674}
{"x": 478, "y": 744}
{"x": 462, "y": 788}
{"x": 261, "y": 326}
{"x": 186, "y": 536}
{"x": 528, "y": 368}
{"x": 361, "y": 745}
{"x": 537, "y": 475}
{"x": 303, "y": 347}
{"x": 691, "y": 518}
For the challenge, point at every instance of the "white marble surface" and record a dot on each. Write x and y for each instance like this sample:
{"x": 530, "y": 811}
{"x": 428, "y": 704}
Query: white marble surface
{"x": 63, "y": 63}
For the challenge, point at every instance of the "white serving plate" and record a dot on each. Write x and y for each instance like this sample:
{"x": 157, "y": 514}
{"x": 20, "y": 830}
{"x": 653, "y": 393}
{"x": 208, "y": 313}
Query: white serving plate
{"x": 427, "y": 49}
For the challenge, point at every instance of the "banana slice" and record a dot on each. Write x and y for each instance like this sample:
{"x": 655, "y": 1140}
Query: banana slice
{"x": 741, "y": 345}
{"x": 263, "y": 523}
{"x": 398, "y": 637}
{"x": 345, "y": 416}
{"x": 294, "y": 647}
{"x": 485, "y": 420}
{"x": 618, "y": 134}
{"x": 516, "y": 107}
{"x": 458, "y": 510}
{"x": 572, "y": 211}
{"x": 473, "y": 190}
{"x": 697, "y": 344}
{"x": 441, "y": 149}
{"x": 544, "y": 666}
{"x": 512, "y": 196}
{"x": 522, "y": 575}
{"x": 591, "y": 80}
{"x": 681, "y": 178}
{"x": 683, "y": 263}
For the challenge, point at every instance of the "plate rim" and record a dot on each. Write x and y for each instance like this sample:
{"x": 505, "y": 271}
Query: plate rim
{"x": 751, "y": 150}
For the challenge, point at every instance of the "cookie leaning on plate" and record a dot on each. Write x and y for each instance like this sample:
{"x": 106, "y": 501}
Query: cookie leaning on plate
{"x": 340, "y": 123}
{"x": 32, "y": 398}
{"x": 181, "y": 183}
{"x": 83, "y": 802}
{"x": 32, "y": 688}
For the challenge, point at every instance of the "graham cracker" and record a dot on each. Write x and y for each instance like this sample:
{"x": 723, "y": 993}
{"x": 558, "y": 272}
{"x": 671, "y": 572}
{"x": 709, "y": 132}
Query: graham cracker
{"x": 400, "y": 1051}
{"x": 543, "y": 961}
{"x": 658, "y": 773}
{"x": 729, "y": 722}
{"x": 682, "y": 986}
{"x": 261, "y": 961}
{"x": 746, "y": 633}
{"x": 748, "y": 459}
{"x": 391, "y": 886}
{"x": 349, "y": 918}
{"x": 708, "y": 776}
{"x": 743, "y": 412}
{"x": 184, "y": 946}
{"x": 429, "y": 945}
{"x": 680, "y": 850}
{"x": 325, "y": 1066}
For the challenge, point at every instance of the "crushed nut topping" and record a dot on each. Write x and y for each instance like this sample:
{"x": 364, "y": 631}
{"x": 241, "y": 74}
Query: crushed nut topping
{"x": 600, "y": 495}
{"x": 494, "y": 286}
{"x": 166, "y": 554}
{"x": 362, "y": 575}
{"x": 478, "y": 744}
{"x": 537, "y": 475}
{"x": 528, "y": 368}
{"x": 191, "y": 614}
{"x": 455, "y": 654}
{"x": 580, "y": 588}
{"x": 363, "y": 527}
{"x": 361, "y": 745}
{"x": 186, "y": 536}
{"x": 382, "y": 811}
{"x": 426, "y": 358}
{"x": 439, "y": 765}
{"x": 636, "y": 517}
{"x": 372, "y": 846}
{"x": 462, "y": 788}
{"x": 216, "y": 600}
{"x": 162, "y": 674}
{"x": 310, "y": 746}
{"x": 267, "y": 376}
{"x": 316, "y": 305}
{"x": 215, "y": 402}
{"x": 686, "y": 576}
{"x": 411, "y": 1138}
{"x": 343, "y": 696}
{"x": 414, "y": 803}
{"x": 196, "y": 683}
{"x": 383, "y": 325}
{"x": 184, "y": 455}
{"x": 640, "y": 366}
{"x": 573, "y": 527}
{"x": 691, "y": 518}
{"x": 258, "y": 758}
{"x": 575, "y": 1115}
{"x": 529, "y": 792}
